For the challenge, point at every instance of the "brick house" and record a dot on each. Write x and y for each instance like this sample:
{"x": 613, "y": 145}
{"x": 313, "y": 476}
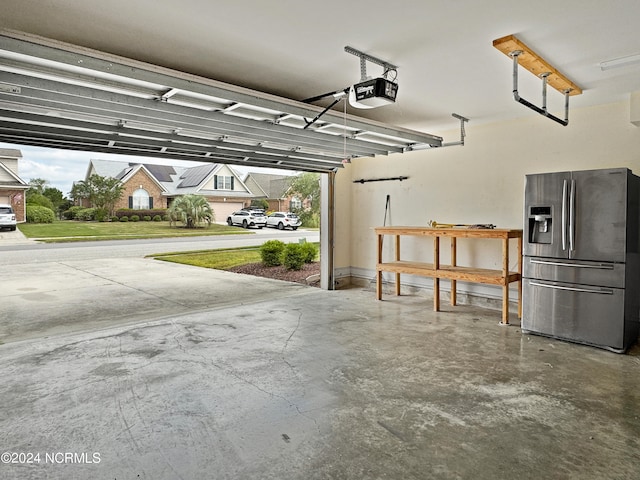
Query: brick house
{"x": 155, "y": 186}
{"x": 12, "y": 187}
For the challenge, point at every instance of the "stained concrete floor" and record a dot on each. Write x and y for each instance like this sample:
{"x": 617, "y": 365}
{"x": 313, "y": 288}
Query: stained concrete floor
{"x": 299, "y": 383}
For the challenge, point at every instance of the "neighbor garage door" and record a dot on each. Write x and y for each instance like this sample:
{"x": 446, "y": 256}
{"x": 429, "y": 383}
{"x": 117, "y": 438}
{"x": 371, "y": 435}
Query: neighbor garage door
{"x": 224, "y": 209}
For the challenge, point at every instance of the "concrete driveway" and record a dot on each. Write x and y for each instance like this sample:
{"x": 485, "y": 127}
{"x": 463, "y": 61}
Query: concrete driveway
{"x": 53, "y": 298}
{"x": 138, "y": 369}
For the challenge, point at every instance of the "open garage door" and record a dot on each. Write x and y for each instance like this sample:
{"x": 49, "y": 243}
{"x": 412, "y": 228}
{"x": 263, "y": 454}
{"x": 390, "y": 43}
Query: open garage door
{"x": 63, "y": 96}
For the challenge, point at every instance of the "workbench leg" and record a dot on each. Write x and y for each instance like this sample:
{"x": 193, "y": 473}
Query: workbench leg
{"x": 453, "y": 264}
{"x": 397, "y": 260}
{"x": 505, "y": 277}
{"x": 520, "y": 278}
{"x": 436, "y": 280}
{"x": 379, "y": 272}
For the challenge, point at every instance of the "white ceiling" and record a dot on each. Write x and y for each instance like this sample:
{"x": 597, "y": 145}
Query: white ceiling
{"x": 295, "y": 48}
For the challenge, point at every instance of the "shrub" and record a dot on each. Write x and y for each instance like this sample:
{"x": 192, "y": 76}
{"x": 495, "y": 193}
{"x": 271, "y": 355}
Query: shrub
{"x": 124, "y": 218}
{"x": 114, "y": 218}
{"x": 310, "y": 251}
{"x": 39, "y": 214}
{"x": 135, "y": 218}
{"x": 260, "y": 203}
{"x": 157, "y": 218}
{"x": 293, "y": 257}
{"x": 40, "y": 200}
{"x": 147, "y": 218}
{"x": 101, "y": 214}
{"x": 71, "y": 213}
{"x": 122, "y": 212}
{"x": 86, "y": 214}
{"x": 271, "y": 253}
{"x": 309, "y": 219}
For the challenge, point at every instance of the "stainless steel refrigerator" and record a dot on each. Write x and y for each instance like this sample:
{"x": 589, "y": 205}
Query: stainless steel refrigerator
{"x": 581, "y": 265}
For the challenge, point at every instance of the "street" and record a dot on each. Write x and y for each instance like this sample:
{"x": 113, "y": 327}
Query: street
{"x": 22, "y": 252}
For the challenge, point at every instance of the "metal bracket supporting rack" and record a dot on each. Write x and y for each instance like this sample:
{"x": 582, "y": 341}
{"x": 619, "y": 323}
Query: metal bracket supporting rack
{"x": 541, "y": 110}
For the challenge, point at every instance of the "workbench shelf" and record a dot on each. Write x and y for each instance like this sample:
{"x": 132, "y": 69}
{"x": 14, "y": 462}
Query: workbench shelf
{"x": 452, "y": 272}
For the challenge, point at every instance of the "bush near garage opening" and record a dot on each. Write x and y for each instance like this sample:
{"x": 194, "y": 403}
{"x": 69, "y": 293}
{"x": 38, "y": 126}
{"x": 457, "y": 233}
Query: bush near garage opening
{"x": 39, "y": 214}
{"x": 271, "y": 253}
{"x": 294, "y": 256}
{"x": 310, "y": 251}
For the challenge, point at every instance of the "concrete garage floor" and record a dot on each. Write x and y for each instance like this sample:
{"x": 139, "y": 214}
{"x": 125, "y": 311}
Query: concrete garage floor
{"x": 213, "y": 375}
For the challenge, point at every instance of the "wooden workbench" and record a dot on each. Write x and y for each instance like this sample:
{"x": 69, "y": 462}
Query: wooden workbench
{"x": 452, "y": 272}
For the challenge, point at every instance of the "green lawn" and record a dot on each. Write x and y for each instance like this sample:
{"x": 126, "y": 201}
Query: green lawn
{"x": 221, "y": 259}
{"x": 74, "y": 231}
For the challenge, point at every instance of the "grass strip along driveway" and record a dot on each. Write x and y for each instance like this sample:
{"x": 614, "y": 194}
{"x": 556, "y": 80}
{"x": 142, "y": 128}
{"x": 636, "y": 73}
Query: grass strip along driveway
{"x": 220, "y": 259}
{"x": 75, "y": 231}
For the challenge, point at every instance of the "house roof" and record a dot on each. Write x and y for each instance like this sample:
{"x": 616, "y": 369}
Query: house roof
{"x": 173, "y": 179}
{"x": 195, "y": 176}
{"x": 10, "y": 153}
{"x": 274, "y": 186}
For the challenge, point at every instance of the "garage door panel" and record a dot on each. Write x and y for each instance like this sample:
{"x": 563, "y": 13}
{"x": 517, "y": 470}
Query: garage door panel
{"x": 224, "y": 209}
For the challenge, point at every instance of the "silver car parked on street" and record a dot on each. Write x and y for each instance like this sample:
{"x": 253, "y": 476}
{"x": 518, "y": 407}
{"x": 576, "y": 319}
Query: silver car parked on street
{"x": 247, "y": 218}
{"x": 282, "y": 220}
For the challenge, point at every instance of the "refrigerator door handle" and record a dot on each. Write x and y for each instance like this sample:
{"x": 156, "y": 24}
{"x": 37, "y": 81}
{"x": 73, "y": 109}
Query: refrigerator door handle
{"x": 565, "y": 186}
{"x": 603, "y": 291}
{"x": 602, "y": 266}
{"x": 572, "y": 216}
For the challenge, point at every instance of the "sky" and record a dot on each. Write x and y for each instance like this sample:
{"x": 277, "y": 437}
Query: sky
{"x": 63, "y": 167}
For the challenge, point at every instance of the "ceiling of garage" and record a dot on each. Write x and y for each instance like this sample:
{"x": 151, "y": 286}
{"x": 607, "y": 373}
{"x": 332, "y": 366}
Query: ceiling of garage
{"x": 295, "y": 50}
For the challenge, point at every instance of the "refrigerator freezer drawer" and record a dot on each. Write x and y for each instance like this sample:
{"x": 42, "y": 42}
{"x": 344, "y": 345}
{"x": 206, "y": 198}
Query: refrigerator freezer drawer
{"x": 577, "y": 313}
{"x": 573, "y": 271}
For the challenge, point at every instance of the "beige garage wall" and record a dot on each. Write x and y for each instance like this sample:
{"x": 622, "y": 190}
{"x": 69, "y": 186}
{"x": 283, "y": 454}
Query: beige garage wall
{"x": 481, "y": 182}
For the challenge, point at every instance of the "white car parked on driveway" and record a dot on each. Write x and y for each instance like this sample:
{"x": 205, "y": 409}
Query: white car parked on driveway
{"x": 282, "y": 220}
{"x": 7, "y": 217}
{"x": 246, "y": 219}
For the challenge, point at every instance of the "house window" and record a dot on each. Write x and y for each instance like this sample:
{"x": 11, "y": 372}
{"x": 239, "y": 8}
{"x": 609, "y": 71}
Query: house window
{"x": 224, "y": 182}
{"x": 295, "y": 203}
{"x": 140, "y": 199}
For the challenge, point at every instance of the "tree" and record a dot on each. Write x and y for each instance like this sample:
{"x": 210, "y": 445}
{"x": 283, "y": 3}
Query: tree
{"x": 37, "y": 185}
{"x": 191, "y": 210}
{"x": 55, "y": 195}
{"x": 306, "y": 186}
{"x": 40, "y": 200}
{"x": 102, "y": 192}
{"x": 40, "y": 194}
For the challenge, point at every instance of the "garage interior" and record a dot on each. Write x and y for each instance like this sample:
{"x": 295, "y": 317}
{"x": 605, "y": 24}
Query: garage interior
{"x": 324, "y": 383}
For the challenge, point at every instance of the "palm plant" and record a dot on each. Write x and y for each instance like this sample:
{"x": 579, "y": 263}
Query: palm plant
{"x": 191, "y": 210}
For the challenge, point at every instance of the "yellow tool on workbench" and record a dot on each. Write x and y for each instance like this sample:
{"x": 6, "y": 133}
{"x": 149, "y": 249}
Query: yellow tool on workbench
{"x": 434, "y": 224}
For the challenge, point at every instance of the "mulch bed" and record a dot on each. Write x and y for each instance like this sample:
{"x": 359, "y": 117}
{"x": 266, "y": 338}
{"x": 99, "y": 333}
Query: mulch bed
{"x": 281, "y": 272}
